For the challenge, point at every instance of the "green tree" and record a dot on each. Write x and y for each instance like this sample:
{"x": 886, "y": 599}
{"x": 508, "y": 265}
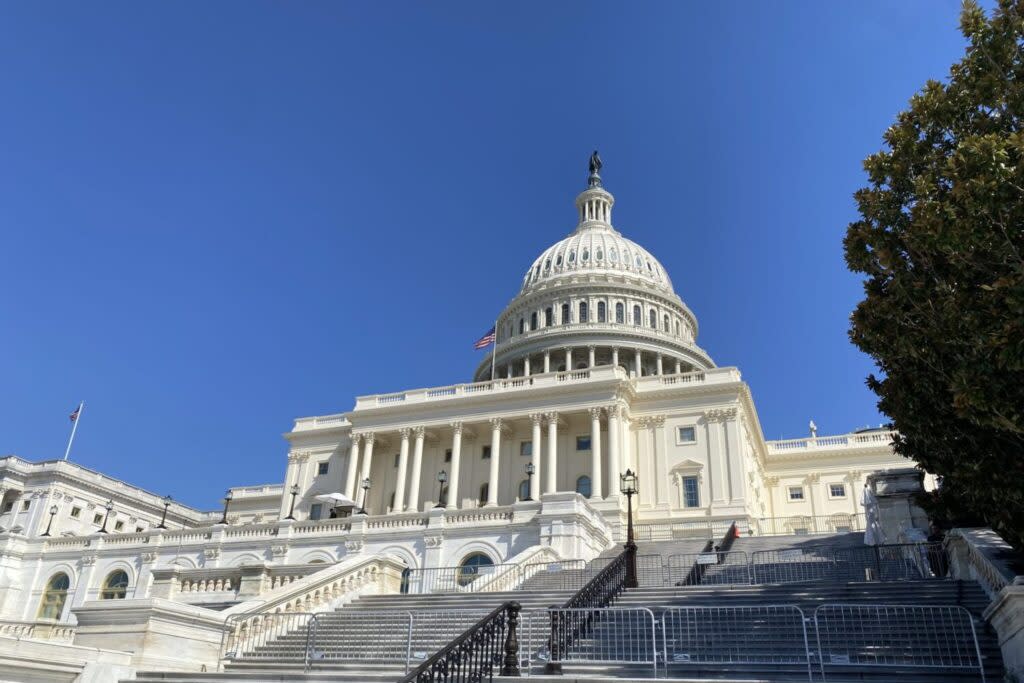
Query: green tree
{"x": 939, "y": 240}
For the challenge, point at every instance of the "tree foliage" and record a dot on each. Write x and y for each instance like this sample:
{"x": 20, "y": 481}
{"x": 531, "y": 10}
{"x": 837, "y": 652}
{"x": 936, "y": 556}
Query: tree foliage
{"x": 940, "y": 241}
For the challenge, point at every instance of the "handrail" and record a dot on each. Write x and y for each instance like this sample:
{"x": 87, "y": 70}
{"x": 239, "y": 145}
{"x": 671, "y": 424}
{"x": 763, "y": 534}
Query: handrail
{"x": 472, "y": 655}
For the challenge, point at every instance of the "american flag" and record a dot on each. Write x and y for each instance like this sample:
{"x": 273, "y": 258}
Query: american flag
{"x": 485, "y": 340}
{"x": 74, "y": 415}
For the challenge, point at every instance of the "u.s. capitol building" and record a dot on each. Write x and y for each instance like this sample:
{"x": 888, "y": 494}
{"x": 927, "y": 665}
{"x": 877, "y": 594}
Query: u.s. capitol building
{"x": 596, "y": 369}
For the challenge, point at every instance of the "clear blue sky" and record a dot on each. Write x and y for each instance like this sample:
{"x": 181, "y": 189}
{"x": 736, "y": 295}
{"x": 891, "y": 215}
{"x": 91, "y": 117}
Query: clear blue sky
{"x": 216, "y": 217}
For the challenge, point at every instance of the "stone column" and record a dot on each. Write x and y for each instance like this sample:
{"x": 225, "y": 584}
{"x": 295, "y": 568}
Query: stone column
{"x": 551, "y": 466}
{"x": 639, "y": 365}
{"x": 367, "y": 462}
{"x": 615, "y": 356}
{"x": 508, "y": 371}
{"x": 403, "y": 466}
{"x": 591, "y": 356}
{"x": 547, "y": 361}
{"x": 659, "y": 365}
{"x": 535, "y": 457}
{"x": 614, "y": 466}
{"x": 453, "y": 478}
{"x": 526, "y": 366}
{"x": 492, "y": 482}
{"x": 353, "y": 467}
{"x": 417, "y": 469}
{"x": 568, "y": 360}
{"x": 596, "y": 481}
{"x": 679, "y": 367}
{"x": 812, "y": 493}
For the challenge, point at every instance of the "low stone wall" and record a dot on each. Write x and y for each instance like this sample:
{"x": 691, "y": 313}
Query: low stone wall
{"x": 38, "y": 662}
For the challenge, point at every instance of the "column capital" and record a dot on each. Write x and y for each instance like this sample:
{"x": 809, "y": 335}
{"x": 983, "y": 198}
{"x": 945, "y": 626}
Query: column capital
{"x": 536, "y": 418}
{"x": 595, "y": 413}
{"x": 419, "y": 431}
{"x": 813, "y": 478}
{"x": 355, "y": 438}
{"x": 495, "y": 423}
{"x": 551, "y": 417}
{"x": 457, "y": 428}
{"x": 614, "y": 410}
{"x": 591, "y": 347}
{"x": 404, "y": 433}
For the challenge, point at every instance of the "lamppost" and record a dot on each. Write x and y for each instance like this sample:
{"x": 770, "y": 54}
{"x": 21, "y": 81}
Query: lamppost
{"x": 442, "y": 477}
{"x": 291, "y": 511}
{"x": 628, "y": 487}
{"x": 366, "y": 492}
{"x": 53, "y": 511}
{"x": 163, "y": 518}
{"x": 109, "y": 506}
{"x": 530, "y": 469}
{"x": 227, "y": 501}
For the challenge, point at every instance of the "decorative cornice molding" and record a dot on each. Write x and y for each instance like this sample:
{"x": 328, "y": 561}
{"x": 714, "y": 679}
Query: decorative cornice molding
{"x": 720, "y": 414}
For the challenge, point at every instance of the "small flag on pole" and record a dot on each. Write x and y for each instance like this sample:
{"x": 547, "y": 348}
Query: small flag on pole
{"x": 74, "y": 415}
{"x": 485, "y": 340}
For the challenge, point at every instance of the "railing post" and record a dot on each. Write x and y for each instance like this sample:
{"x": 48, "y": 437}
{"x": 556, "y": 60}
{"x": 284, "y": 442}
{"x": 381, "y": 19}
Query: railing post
{"x": 554, "y": 665}
{"x": 631, "y": 581}
{"x": 510, "y": 664}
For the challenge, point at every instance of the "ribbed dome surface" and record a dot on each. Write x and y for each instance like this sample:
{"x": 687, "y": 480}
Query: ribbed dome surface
{"x": 597, "y": 250}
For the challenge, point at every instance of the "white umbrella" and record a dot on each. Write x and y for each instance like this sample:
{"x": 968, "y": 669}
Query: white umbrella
{"x": 337, "y": 499}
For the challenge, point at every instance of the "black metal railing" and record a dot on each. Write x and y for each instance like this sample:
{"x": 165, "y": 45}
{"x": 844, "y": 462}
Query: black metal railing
{"x": 491, "y": 643}
{"x": 696, "y": 575}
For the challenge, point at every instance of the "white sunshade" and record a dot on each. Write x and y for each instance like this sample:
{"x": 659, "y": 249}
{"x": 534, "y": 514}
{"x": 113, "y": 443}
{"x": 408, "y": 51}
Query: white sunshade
{"x": 336, "y": 498}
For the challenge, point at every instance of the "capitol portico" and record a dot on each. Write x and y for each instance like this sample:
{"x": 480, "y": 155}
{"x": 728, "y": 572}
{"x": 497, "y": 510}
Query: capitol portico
{"x": 595, "y": 370}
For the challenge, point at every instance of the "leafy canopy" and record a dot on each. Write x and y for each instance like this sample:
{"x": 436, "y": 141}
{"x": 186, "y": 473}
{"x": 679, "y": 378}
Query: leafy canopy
{"x": 940, "y": 240}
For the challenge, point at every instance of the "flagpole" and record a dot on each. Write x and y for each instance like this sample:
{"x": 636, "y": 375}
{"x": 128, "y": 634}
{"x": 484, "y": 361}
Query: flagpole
{"x": 494, "y": 351}
{"x": 74, "y": 427}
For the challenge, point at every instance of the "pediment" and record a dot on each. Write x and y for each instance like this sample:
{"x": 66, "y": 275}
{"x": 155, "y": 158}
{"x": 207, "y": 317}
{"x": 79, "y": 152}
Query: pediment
{"x": 686, "y": 466}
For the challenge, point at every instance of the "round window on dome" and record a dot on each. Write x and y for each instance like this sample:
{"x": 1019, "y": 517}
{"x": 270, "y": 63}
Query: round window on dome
{"x": 558, "y": 260}
{"x": 586, "y": 255}
{"x": 599, "y": 255}
{"x": 572, "y": 256}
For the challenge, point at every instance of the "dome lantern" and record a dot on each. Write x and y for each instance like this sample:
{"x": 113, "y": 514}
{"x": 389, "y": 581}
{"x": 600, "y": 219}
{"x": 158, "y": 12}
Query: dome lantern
{"x": 594, "y": 205}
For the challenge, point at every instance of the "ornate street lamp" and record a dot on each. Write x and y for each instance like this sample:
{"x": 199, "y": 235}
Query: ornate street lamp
{"x": 109, "y": 506}
{"x": 366, "y": 491}
{"x": 291, "y": 511}
{"x": 530, "y": 469}
{"x": 442, "y": 477}
{"x": 628, "y": 487}
{"x": 228, "y": 497}
{"x": 53, "y": 511}
{"x": 163, "y": 517}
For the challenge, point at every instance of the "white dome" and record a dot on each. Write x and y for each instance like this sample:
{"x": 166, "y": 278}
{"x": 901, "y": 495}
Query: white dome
{"x": 599, "y": 251}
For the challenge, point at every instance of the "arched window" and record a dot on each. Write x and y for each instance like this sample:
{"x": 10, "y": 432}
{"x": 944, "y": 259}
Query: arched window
{"x": 565, "y": 314}
{"x": 620, "y": 313}
{"x": 484, "y": 489}
{"x": 471, "y": 567}
{"x": 533, "y": 320}
{"x": 584, "y": 313}
{"x": 586, "y": 255}
{"x": 639, "y": 262}
{"x": 115, "y": 587}
{"x": 602, "y": 314}
{"x": 613, "y": 255}
{"x": 666, "y": 323}
{"x": 572, "y": 256}
{"x": 549, "y": 317}
{"x": 54, "y": 597}
{"x": 583, "y": 486}
{"x": 599, "y": 254}
{"x": 524, "y": 489}
{"x": 547, "y": 265}
{"x": 404, "y": 587}
{"x": 522, "y": 325}
{"x": 558, "y": 260}
{"x": 636, "y": 315}
{"x": 677, "y": 328}
{"x": 653, "y": 319}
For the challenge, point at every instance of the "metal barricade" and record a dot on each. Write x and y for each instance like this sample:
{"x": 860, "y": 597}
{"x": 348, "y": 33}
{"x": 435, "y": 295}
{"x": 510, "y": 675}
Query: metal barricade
{"x": 789, "y": 565}
{"x": 896, "y": 562}
{"x": 282, "y": 635}
{"x": 650, "y": 570}
{"x": 711, "y": 568}
{"x": 561, "y": 575}
{"x": 605, "y": 635}
{"x": 381, "y": 635}
{"x": 469, "y": 579}
{"x": 432, "y": 630}
{"x": 763, "y": 634}
{"x": 912, "y": 636}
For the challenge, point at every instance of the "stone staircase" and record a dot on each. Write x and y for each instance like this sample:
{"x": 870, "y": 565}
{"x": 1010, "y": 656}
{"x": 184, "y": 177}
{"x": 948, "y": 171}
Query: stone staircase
{"x": 367, "y": 640}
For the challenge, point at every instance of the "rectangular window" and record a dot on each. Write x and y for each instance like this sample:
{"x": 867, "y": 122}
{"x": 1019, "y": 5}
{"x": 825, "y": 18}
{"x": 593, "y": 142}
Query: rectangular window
{"x": 139, "y": 529}
{"x": 686, "y": 435}
{"x": 583, "y": 443}
{"x": 321, "y": 468}
{"x": 315, "y": 510}
{"x": 97, "y": 519}
{"x": 397, "y": 455}
{"x": 484, "y": 489}
{"x": 691, "y": 493}
{"x": 486, "y": 453}
{"x": 76, "y": 511}
{"x": 118, "y": 526}
{"x": 796, "y": 492}
{"x": 8, "y": 506}
{"x": 837, "y": 491}
{"x": 448, "y": 455}
{"x": 525, "y": 448}
{"x": 25, "y": 504}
